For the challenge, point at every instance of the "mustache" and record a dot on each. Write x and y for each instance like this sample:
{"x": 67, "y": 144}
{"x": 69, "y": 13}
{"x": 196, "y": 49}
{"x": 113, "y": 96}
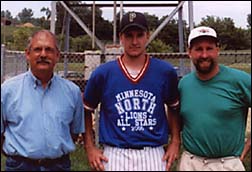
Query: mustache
{"x": 135, "y": 46}
{"x": 204, "y": 59}
{"x": 43, "y": 60}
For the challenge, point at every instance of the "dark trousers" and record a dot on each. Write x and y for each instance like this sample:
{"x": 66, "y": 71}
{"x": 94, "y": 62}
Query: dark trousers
{"x": 18, "y": 163}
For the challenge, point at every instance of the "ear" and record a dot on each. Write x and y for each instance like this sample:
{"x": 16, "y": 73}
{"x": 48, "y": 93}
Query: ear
{"x": 27, "y": 54}
{"x": 148, "y": 34}
{"x": 120, "y": 35}
{"x": 189, "y": 53}
{"x": 121, "y": 38}
{"x": 218, "y": 50}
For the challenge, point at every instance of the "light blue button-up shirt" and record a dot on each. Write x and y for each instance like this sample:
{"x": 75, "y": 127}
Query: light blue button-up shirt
{"x": 37, "y": 122}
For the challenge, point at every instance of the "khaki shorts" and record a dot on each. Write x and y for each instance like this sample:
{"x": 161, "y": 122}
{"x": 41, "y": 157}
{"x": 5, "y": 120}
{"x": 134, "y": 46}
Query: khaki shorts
{"x": 190, "y": 162}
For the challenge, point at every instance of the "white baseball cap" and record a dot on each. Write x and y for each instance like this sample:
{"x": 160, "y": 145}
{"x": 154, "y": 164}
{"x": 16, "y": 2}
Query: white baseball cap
{"x": 201, "y": 31}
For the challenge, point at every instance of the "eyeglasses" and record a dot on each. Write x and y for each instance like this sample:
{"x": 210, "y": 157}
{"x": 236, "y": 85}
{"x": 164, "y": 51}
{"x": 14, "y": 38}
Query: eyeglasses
{"x": 48, "y": 50}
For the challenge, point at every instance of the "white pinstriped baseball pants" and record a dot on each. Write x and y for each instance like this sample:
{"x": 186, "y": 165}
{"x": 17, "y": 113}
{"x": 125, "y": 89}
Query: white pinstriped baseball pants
{"x": 147, "y": 159}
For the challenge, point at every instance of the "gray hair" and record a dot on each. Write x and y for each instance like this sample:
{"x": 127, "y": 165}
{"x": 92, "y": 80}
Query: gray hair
{"x": 39, "y": 32}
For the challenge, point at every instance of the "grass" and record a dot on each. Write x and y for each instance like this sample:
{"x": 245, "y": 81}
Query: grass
{"x": 78, "y": 158}
{"x": 80, "y": 163}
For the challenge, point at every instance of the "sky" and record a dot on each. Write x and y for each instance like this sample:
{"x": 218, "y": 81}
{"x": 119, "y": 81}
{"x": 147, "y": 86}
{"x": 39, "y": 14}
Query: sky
{"x": 236, "y": 10}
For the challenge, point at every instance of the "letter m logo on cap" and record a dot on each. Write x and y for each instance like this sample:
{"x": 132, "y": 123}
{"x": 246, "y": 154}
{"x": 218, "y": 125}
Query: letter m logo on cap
{"x": 132, "y": 16}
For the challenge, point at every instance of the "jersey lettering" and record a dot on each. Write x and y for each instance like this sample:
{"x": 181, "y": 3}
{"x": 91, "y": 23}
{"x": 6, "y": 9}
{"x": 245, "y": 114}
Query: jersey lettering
{"x": 135, "y": 109}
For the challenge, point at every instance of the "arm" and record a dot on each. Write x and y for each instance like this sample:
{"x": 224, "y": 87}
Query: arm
{"x": 172, "y": 151}
{"x": 95, "y": 155}
{"x": 246, "y": 148}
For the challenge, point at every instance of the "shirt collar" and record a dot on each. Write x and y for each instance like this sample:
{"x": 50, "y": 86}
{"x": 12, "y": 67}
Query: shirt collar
{"x": 36, "y": 82}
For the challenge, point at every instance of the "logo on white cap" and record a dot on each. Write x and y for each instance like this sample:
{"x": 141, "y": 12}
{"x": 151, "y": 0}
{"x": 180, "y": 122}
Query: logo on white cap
{"x": 201, "y": 31}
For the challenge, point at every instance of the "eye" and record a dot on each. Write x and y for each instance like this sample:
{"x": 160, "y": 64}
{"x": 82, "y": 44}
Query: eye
{"x": 198, "y": 49}
{"x": 37, "y": 49}
{"x": 140, "y": 34}
{"x": 209, "y": 48}
{"x": 128, "y": 35}
{"x": 49, "y": 50}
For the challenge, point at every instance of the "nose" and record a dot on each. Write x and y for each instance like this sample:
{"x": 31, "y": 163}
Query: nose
{"x": 43, "y": 52}
{"x": 134, "y": 40}
{"x": 204, "y": 54}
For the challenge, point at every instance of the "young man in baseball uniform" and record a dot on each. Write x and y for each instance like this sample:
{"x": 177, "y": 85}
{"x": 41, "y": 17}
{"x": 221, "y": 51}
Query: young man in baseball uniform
{"x": 133, "y": 91}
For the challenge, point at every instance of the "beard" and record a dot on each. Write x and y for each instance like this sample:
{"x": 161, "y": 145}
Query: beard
{"x": 203, "y": 68}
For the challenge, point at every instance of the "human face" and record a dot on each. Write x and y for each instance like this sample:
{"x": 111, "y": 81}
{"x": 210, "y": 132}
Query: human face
{"x": 42, "y": 55}
{"x": 204, "y": 54}
{"x": 134, "y": 41}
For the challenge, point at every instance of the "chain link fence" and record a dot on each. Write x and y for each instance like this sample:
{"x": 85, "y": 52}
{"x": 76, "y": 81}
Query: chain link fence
{"x": 78, "y": 67}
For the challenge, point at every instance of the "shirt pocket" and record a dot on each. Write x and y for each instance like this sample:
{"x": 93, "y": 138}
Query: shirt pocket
{"x": 64, "y": 118}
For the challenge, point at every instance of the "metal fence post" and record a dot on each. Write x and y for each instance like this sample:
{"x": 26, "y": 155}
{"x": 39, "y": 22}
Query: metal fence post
{"x": 2, "y": 61}
{"x": 96, "y": 125}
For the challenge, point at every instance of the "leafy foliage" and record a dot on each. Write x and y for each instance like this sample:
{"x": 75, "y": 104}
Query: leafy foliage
{"x": 249, "y": 21}
{"x": 158, "y": 46}
{"x": 26, "y": 15}
{"x": 6, "y": 14}
{"x": 167, "y": 40}
{"x": 21, "y": 36}
{"x": 230, "y": 37}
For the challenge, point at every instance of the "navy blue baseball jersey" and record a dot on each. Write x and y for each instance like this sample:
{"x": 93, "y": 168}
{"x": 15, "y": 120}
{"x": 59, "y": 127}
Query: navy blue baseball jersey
{"x": 132, "y": 111}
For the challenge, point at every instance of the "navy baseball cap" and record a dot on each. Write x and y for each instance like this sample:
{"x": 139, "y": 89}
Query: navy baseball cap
{"x": 133, "y": 19}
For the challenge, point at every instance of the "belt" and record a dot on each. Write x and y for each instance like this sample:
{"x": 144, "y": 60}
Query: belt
{"x": 135, "y": 147}
{"x": 39, "y": 162}
{"x": 207, "y": 160}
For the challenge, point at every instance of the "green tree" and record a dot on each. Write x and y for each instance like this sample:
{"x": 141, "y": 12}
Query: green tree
{"x": 240, "y": 41}
{"x": 75, "y": 29}
{"x": 6, "y": 14}
{"x": 103, "y": 28}
{"x": 81, "y": 43}
{"x": 47, "y": 12}
{"x": 249, "y": 20}
{"x": 169, "y": 34}
{"x": 20, "y": 36}
{"x": 153, "y": 21}
{"x": 159, "y": 47}
{"x": 25, "y": 15}
{"x": 231, "y": 38}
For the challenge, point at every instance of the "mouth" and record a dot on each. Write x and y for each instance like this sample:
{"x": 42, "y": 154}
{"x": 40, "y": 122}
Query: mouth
{"x": 43, "y": 62}
{"x": 204, "y": 60}
{"x": 134, "y": 48}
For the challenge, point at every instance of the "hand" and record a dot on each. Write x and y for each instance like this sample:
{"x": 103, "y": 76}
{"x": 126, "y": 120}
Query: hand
{"x": 171, "y": 154}
{"x": 95, "y": 158}
{"x": 246, "y": 149}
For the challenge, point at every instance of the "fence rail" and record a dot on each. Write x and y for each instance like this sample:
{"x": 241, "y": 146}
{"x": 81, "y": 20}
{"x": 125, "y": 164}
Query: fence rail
{"x": 78, "y": 66}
